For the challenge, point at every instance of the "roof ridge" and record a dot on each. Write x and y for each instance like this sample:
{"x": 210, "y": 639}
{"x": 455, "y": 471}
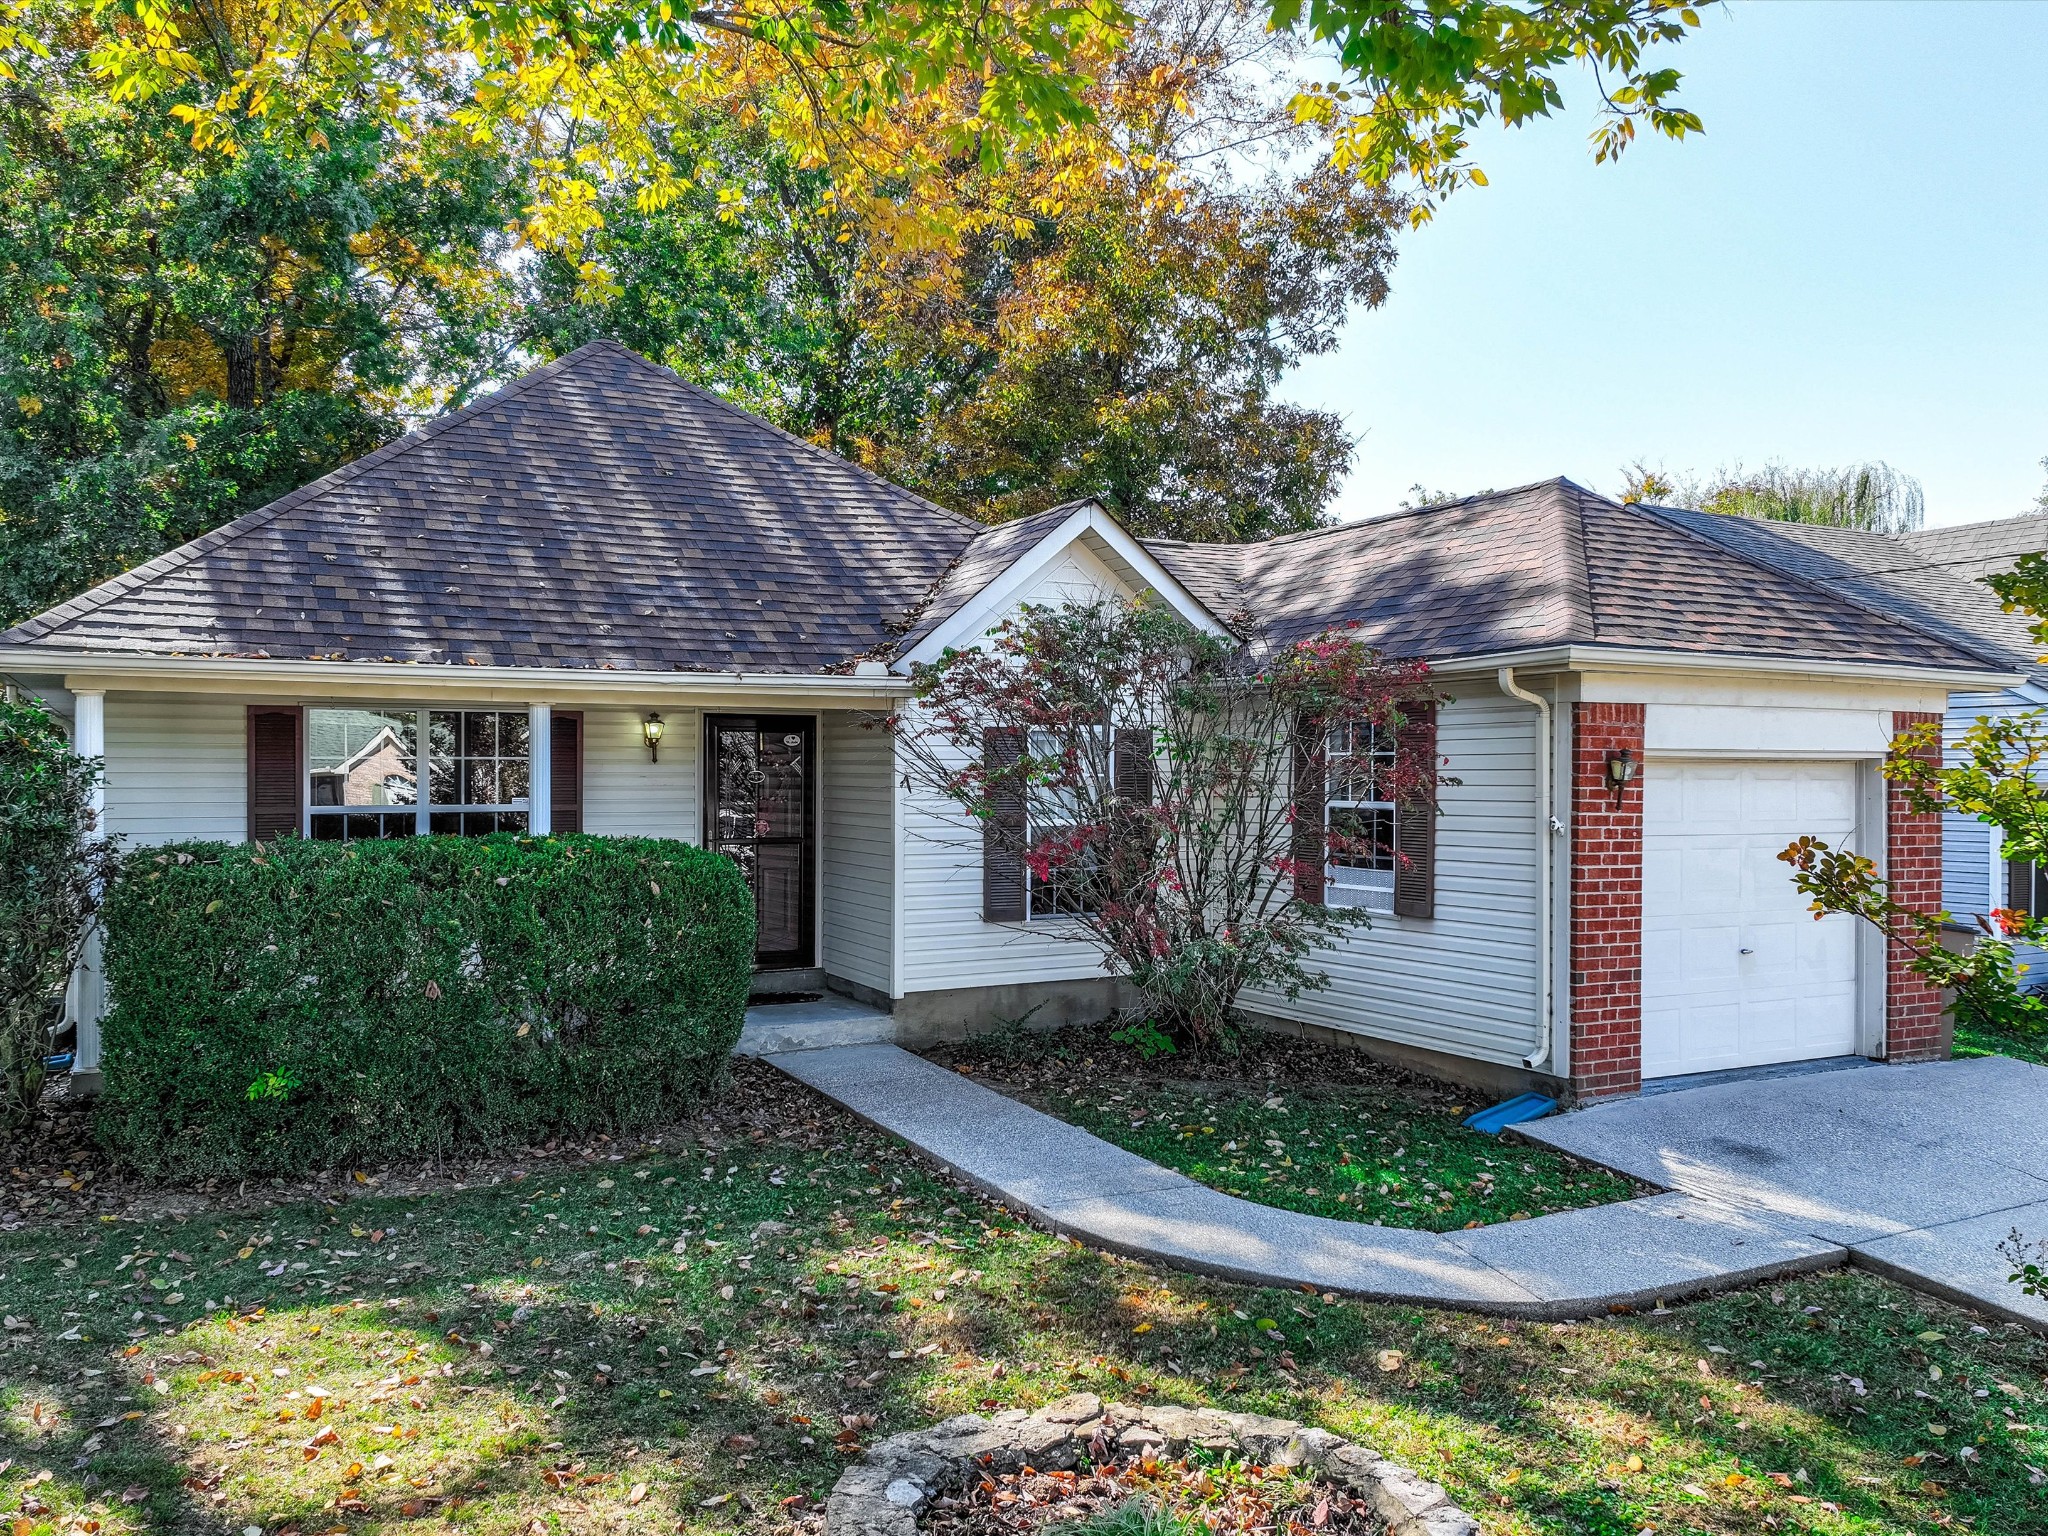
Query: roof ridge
{"x": 137, "y": 577}
{"x": 1971, "y": 645}
{"x": 1783, "y": 527}
{"x": 713, "y": 397}
{"x": 1380, "y": 519}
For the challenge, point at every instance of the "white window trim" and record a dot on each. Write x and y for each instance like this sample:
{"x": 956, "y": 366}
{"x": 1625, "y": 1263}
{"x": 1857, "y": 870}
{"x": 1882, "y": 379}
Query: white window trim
{"x": 1337, "y": 893}
{"x": 424, "y": 807}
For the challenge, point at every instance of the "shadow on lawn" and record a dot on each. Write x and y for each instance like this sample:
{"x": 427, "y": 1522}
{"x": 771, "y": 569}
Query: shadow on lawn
{"x": 887, "y": 1299}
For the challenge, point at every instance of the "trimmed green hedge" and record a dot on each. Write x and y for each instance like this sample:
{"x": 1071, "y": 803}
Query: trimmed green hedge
{"x": 304, "y": 1005}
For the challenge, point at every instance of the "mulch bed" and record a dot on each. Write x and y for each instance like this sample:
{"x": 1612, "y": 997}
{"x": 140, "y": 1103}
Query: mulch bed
{"x": 56, "y": 1173}
{"x": 1056, "y": 1061}
{"x": 1228, "y": 1499}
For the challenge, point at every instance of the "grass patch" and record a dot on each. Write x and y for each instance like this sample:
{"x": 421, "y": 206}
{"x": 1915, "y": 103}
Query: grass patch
{"x": 1973, "y": 1041}
{"x": 533, "y": 1356}
{"x": 1299, "y": 1126}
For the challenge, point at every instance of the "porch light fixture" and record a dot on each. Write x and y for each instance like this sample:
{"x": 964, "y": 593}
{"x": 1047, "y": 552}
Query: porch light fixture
{"x": 1621, "y": 767}
{"x": 651, "y": 728}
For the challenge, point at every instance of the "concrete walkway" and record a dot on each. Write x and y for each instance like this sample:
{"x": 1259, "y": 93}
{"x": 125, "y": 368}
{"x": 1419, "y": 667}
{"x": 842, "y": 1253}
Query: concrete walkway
{"x": 1635, "y": 1253}
{"x": 1919, "y": 1172}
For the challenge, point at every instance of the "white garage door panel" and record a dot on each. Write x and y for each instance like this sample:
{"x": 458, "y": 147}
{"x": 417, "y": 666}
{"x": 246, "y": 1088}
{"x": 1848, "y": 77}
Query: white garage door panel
{"x": 1736, "y": 973}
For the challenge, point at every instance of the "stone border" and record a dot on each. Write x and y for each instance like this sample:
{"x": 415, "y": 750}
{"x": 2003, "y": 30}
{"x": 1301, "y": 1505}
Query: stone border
{"x": 885, "y": 1492}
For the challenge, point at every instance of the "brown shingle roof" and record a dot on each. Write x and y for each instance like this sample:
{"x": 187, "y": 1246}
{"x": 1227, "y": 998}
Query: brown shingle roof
{"x": 597, "y": 512}
{"x": 600, "y": 512}
{"x": 1545, "y": 565}
{"x": 1930, "y": 578}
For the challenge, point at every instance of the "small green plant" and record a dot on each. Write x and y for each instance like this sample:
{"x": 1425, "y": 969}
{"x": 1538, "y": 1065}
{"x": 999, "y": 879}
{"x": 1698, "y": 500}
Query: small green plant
{"x": 1144, "y": 1037}
{"x": 272, "y": 1085}
{"x": 1139, "y": 1517}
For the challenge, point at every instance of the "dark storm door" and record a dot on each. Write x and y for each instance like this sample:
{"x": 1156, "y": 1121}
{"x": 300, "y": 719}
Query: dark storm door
{"x": 761, "y": 813}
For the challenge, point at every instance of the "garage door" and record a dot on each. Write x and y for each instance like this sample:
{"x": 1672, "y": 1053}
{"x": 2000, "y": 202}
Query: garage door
{"x": 1736, "y": 972}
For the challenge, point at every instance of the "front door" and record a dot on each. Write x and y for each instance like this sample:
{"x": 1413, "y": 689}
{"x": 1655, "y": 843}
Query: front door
{"x": 761, "y": 812}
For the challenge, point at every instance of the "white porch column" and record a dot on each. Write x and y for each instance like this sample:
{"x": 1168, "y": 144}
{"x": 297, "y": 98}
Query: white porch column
{"x": 87, "y": 995}
{"x": 540, "y": 747}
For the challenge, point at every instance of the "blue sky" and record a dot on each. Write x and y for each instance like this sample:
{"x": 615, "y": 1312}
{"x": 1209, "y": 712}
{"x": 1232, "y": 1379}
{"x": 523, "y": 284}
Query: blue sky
{"x": 1848, "y": 265}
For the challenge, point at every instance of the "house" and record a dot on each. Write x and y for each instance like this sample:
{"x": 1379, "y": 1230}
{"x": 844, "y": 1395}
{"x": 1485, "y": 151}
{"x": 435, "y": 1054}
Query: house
{"x": 1933, "y": 579}
{"x": 604, "y": 600}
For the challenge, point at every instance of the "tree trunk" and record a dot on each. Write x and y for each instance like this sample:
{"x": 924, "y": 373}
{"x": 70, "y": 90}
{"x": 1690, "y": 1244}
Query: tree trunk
{"x": 239, "y": 353}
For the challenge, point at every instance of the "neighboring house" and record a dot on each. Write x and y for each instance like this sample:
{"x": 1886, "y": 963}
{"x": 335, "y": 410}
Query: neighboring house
{"x": 513, "y": 601}
{"x": 1933, "y": 579}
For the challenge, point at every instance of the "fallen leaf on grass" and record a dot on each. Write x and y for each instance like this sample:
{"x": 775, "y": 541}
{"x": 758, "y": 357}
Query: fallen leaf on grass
{"x": 1390, "y": 1360}
{"x": 636, "y": 1493}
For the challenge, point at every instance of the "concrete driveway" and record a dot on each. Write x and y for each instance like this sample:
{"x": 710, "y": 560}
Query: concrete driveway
{"x": 1919, "y": 1171}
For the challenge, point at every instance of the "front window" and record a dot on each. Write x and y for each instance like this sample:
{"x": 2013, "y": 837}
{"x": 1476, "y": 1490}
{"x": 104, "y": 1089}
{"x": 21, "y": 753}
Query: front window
{"x": 364, "y": 771}
{"x": 1358, "y": 819}
{"x": 1059, "y": 873}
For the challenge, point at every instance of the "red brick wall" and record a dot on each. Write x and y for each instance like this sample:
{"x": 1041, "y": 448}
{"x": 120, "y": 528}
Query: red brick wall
{"x": 1607, "y": 905}
{"x": 1914, "y": 1028}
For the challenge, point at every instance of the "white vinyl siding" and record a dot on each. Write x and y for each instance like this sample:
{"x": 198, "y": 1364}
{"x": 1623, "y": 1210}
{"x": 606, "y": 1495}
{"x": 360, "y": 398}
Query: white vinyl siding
{"x": 945, "y": 942}
{"x": 856, "y": 831}
{"x": 625, "y": 793}
{"x": 177, "y": 767}
{"x": 1464, "y": 981}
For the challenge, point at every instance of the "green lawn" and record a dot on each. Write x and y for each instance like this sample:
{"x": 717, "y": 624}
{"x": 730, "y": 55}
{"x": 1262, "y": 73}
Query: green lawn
{"x": 1993, "y": 1042}
{"x": 535, "y": 1356}
{"x": 1356, "y": 1155}
{"x": 1296, "y": 1125}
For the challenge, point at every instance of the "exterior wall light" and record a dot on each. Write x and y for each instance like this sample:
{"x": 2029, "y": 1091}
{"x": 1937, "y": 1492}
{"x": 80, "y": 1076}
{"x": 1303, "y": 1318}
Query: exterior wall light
{"x": 651, "y": 728}
{"x": 1621, "y": 768}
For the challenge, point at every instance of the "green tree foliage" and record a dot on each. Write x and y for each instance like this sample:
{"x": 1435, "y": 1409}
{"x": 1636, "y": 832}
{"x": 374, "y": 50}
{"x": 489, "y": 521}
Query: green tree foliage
{"x": 1874, "y": 496}
{"x": 186, "y": 334}
{"x": 1997, "y": 772}
{"x": 308, "y": 1005}
{"x": 54, "y": 861}
{"x": 602, "y": 86}
{"x": 1114, "y": 320}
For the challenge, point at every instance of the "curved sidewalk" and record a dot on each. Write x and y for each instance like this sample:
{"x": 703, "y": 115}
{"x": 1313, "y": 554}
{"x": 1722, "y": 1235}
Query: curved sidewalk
{"x": 1635, "y": 1253}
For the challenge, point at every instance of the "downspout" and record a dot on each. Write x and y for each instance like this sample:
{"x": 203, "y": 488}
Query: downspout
{"x": 1546, "y": 828}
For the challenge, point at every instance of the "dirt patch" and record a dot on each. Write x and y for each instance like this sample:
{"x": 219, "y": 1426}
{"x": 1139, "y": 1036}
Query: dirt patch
{"x": 1179, "y": 1497}
{"x": 57, "y": 1174}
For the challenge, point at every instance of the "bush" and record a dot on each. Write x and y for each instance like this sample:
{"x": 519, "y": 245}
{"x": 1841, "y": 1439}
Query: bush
{"x": 292, "y": 1006}
{"x": 54, "y": 861}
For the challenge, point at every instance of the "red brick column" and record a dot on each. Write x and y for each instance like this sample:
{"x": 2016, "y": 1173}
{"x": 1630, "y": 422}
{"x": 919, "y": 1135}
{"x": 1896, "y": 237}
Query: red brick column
{"x": 1914, "y": 1026}
{"x": 1607, "y": 905}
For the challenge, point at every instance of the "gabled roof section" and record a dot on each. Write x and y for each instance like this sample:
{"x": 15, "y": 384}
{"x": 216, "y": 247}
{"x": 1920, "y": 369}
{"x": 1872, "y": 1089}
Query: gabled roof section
{"x": 1545, "y": 565}
{"x": 993, "y": 551}
{"x": 998, "y": 568}
{"x": 598, "y": 512}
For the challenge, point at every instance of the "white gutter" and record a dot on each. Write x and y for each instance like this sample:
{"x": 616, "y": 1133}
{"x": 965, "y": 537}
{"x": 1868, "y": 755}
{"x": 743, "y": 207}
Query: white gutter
{"x": 1602, "y": 658}
{"x": 428, "y": 676}
{"x": 1547, "y": 827}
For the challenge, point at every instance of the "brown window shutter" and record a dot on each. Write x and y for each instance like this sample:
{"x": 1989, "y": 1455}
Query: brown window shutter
{"x": 276, "y": 771}
{"x": 1002, "y": 834}
{"x": 1415, "y": 825}
{"x": 1132, "y": 752}
{"x": 2019, "y": 885}
{"x": 565, "y": 772}
{"x": 1310, "y": 788}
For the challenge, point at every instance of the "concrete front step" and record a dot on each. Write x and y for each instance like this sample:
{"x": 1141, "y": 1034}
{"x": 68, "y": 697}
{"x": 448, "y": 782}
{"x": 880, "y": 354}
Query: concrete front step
{"x": 773, "y": 1028}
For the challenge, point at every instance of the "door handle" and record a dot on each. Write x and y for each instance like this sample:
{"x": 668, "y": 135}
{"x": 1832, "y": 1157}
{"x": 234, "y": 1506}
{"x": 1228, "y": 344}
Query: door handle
{"x": 1747, "y": 951}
